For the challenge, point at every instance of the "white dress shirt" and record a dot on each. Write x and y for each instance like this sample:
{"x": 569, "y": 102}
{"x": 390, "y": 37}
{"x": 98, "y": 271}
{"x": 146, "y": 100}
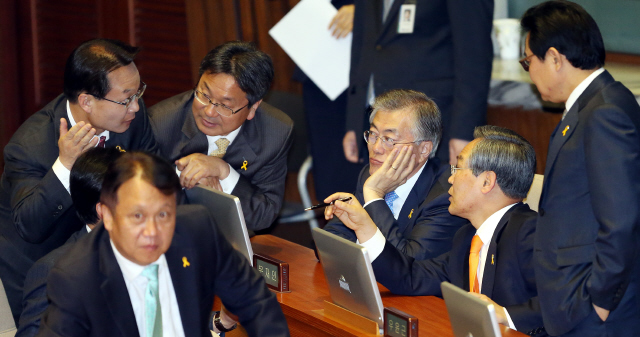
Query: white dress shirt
{"x": 375, "y": 245}
{"x": 60, "y": 170}
{"x": 230, "y": 182}
{"x": 573, "y": 97}
{"x": 403, "y": 193}
{"x": 137, "y": 285}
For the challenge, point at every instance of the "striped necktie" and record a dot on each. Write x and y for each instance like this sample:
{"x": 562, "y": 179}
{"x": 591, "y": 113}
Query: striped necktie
{"x": 153, "y": 311}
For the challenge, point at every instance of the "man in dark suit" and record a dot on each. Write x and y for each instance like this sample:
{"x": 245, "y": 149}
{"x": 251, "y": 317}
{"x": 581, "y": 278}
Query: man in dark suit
{"x": 447, "y": 54}
{"x": 101, "y": 106}
{"x": 221, "y": 134}
{"x": 589, "y": 223}
{"x": 408, "y": 177}
{"x": 148, "y": 271}
{"x": 492, "y": 254}
{"x": 85, "y": 183}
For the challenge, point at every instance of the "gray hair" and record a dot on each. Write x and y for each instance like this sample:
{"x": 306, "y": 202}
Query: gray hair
{"x": 506, "y": 153}
{"x": 428, "y": 123}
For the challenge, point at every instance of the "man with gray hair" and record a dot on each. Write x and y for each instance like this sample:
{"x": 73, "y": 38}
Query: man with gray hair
{"x": 491, "y": 254}
{"x": 404, "y": 187}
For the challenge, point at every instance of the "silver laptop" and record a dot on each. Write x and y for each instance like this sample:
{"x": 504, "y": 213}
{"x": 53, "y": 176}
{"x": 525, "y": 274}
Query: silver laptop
{"x": 469, "y": 315}
{"x": 347, "y": 268}
{"x": 227, "y": 212}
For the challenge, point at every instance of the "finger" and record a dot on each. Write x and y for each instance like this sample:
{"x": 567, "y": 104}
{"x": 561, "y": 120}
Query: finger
{"x": 92, "y": 143}
{"x": 403, "y": 160}
{"x": 80, "y": 134}
{"x": 182, "y": 163}
{"x": 71, "y": 133}
{"x": 339, "y": 195}
{"x": 63, "y": 127}
{"x": 387, "y": 164}
{"x": 88, "y": 138}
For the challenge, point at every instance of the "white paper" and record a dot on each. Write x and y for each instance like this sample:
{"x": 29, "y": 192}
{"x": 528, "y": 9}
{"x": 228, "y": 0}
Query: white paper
{"x": 305, "y": 36}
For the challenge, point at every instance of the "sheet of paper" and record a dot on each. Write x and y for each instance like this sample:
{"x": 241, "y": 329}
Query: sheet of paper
{"x": 304, "y": 35}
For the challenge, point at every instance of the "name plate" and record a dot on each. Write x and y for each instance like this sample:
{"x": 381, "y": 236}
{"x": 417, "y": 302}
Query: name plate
{"x": 275, "y": 272}
{"x": 399, "y": 324}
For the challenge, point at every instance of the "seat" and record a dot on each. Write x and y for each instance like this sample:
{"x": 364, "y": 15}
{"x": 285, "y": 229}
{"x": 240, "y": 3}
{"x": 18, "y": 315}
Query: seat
{"x": 7, "y": 325}
{"x": 533, "y": 197}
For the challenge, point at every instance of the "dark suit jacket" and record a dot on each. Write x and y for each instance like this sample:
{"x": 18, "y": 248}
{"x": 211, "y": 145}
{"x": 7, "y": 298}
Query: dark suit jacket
{"x": 89, "y": 297}
{"x": 589, "y": 224}
{"x": 448, "y": 57}
{"x": 263, "y": 142}
{"x": 508, "y": 276}
{"x": 425, "y": 227}
{"x": 35, "y": 300}
{"x": 36, "y": 212}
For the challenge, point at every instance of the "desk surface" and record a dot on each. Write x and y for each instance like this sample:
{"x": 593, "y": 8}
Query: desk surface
{"x": 303, "y": 307}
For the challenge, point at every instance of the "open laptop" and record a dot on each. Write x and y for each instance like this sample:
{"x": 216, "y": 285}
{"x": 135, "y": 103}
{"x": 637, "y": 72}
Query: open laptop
{"x": 227, "y": 212}
{"x": 469, "y": 315}
{"x": 349, "y": 274}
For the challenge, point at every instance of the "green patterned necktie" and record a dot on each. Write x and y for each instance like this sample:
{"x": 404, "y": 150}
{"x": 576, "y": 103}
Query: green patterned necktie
{"x": 153, "y": 312}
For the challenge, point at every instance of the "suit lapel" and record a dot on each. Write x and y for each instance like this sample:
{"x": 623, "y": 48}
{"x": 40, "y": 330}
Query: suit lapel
{"x": 115, "y": 291}
{"x": 245, "y": 146}
{"x": 417, "y": 194}
{"x": 390, "y": 19}
{"x": 465, "y": 265}
{"x": 60, "y": 111}
{"x": 183, "y": 267}
{"x": 489, "y": 274}
{"x": 193, "y": 141}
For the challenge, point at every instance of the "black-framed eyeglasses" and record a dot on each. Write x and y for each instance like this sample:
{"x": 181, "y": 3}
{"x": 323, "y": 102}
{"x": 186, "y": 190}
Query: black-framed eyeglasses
{"x": 127, "y": 102}
{"x": 220, "y": 108}
{"x": 454, "y": 169}
{"x": 525, "y": 62}
{"x": 371, "y": 138}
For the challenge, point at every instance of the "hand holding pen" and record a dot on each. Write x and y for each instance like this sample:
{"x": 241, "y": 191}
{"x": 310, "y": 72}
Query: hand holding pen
{"x": 325, "y": 204}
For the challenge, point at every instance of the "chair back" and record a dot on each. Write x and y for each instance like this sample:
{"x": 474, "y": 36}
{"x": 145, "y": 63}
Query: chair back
{"x": 533, "y": 197}
{"x": 7, "y": 325}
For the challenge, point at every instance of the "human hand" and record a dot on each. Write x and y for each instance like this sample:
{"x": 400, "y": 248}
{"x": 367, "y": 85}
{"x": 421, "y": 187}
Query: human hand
{"x": 351, "y": 214}
{"x": 196, "y": 166}
{"x": 211, "y": 182}
{"x": 500, "y": 310}
{"x": 342, "y": 23}
{"x": 392, "y": 173}
{"x": 74, "y": 142}
{"x": 602, "y": 313}
{"x": 350, "y": 146}
{"x": 455, "y": 147}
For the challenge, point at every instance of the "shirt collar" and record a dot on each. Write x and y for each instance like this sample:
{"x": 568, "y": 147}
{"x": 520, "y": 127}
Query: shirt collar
{"x": 573, "y": 97}
{"x": 130, "y": 269}
{"x": 230, "y": 137}
{"x": 72, "y": 122}
{"x": 403, "y": 190}
{"x": 485, "y": 232}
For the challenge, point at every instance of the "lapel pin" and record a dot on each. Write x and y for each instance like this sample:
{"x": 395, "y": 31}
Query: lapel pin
{"x": 410, "y": 213}
{"x": 492, "y": 262}
{"x": 185, "y": 262}
{"x": 244, "y": 165}
{"x": 120, "y": 148}
{"x": 564, "y": 132}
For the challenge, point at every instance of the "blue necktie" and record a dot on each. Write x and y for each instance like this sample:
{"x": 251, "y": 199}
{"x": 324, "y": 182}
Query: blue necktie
{"x": 153, "y": 312}
{"x": 389, "y": 198}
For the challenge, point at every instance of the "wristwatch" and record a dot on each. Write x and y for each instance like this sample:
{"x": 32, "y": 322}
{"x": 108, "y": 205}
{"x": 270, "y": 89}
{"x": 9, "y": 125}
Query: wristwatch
{"x": 218, "y": 323}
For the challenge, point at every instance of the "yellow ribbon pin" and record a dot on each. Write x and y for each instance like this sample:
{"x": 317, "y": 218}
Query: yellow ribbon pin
{"x": 492, "y": 259}
{"x": 185, "y": 263}
{"x": 411, "y": 213}
{"x": 120, "y": 149}
{"x": 564, "y": 132}
{"x": 244, "y": 165}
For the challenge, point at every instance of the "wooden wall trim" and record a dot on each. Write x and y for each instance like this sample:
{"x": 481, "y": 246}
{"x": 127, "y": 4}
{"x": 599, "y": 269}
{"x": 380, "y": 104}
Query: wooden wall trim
{"x": 623, "y": 58}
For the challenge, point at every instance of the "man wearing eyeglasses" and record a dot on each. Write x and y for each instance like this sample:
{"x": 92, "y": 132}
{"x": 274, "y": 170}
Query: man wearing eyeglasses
{"x": 588, "y": 230}
{"x": 100, "y": 107}
{"x": 404, "y": 186}
{"x": 221, "y": 134}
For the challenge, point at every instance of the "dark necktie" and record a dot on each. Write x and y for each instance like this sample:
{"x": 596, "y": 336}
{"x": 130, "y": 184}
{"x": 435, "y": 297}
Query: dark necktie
{"x": 101, "y": 142}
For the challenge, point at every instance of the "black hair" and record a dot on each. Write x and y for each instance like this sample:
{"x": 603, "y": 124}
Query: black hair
{"x": 567, "y": 27}
{"x": 89, "y": 64}
{"x": 85, "y": 181}
{"x": 151, "y": 168}
{"x": 251, "y": 68}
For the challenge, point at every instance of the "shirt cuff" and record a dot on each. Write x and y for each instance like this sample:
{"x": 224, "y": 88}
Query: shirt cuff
{"x": 370, "y": 201}
{"x": 62, "y": 173}
{"x": 375, "y": 245}
{"x": 230, "y": 182}
{"x": 511, "y": 325}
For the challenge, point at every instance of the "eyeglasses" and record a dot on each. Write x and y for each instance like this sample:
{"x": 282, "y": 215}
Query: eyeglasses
{"x": 127, "y": 102}
{"x": 371, "y": 138}
{"x": 525, "y": 62}
{"x": 221, "y": 109}
{"x": 454, "y": 169}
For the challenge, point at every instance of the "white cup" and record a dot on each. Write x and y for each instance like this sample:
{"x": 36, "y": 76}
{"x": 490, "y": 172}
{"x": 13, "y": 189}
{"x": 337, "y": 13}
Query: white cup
{"x": 507, "y": 33}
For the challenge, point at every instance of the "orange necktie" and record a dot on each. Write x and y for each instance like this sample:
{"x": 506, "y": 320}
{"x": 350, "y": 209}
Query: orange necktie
{"x": 474, "y": 258}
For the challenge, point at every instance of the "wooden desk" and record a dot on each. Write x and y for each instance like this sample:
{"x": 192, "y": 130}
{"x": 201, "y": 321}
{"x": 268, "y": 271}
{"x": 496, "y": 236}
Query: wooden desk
{"x": 303, "y": 307}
